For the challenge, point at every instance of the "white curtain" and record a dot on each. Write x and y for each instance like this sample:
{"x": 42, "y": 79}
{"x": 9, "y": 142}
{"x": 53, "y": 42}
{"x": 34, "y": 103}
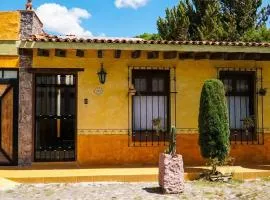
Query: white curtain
{"x": 147, "y": 108}
{"x": 238, "y": 107}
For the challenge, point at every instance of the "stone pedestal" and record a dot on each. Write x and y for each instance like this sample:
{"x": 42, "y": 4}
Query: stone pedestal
{"x": 171, "y": 173}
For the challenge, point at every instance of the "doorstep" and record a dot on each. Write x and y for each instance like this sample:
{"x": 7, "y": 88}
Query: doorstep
{"x": 72, "y": 173}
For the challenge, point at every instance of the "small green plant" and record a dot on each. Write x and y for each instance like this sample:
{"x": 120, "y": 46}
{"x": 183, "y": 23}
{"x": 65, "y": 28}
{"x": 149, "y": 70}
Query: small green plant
{"x": 157, "y": 125}
{"x": 248, "y": 123}
{"x": 172, "y": 142}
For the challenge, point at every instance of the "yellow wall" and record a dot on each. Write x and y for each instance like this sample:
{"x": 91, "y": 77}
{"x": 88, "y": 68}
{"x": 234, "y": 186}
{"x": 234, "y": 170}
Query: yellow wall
{"x": 10, "y": 25}
{"x": 110, "y": 110}
{"x": 9, "y": 61}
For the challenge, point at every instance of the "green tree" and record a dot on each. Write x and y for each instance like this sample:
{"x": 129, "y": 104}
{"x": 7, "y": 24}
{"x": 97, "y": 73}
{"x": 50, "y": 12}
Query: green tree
{"x": 175, "y": 25}
{"x": 260, "y": 34}
{"x": 240, "y": 16}
{"x": 213, "y": 122}
{"x": 149, "y": 36}
{"x": 211, "y": 26}
{"x": 212, "y": 20}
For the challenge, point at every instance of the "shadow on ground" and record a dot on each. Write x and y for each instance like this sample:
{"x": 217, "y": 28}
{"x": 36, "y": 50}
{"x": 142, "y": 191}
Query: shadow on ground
{"x": 155, "y": 190}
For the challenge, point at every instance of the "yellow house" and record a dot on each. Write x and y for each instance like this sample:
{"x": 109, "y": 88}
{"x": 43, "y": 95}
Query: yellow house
{"x": 101, "y": 101}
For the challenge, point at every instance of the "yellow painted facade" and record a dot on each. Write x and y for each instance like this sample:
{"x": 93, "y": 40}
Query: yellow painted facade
{"x": 110, "y": 109}
{"x": 10, "y": 25}
{"x": 9, "y": 33}
{"x": 9, "y": 61}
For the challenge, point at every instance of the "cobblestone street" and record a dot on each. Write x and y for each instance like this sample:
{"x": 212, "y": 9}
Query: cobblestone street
{"x": 259, "y": 189}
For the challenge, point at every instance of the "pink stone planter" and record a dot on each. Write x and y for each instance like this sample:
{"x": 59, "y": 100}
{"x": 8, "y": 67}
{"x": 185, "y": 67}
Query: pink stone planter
{"x": 171, "y": 173}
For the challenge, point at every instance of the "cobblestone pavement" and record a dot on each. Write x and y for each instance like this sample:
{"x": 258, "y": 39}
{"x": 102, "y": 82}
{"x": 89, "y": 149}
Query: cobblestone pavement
{"x": 197, "y": 190}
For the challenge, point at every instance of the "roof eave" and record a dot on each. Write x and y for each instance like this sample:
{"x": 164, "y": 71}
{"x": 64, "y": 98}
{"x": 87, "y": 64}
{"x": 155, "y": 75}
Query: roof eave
{"x": 145, "y": 47}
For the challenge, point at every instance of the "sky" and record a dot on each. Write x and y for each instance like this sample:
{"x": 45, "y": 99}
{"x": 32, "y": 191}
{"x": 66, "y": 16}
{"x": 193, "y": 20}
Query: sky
{"x": 111, "y": 18}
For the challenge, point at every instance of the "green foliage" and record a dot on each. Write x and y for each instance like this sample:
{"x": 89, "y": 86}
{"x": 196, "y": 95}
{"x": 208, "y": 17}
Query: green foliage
{"x": 243, "y": 13}
{"x": 211, "y": 27}
{"x": 261, "y": 34}
{"x": 212, "y": 20}
{"x": 176, "y": 23}
{"x": 172, "y": 142}
{"x": 213, "y": 122}
{"x": 149, "y": 36}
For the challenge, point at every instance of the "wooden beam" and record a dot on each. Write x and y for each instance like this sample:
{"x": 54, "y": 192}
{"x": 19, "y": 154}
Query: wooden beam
{"x": 201, "y": 55}
{"x": 100, "y": 54}
{"x": 265, "y": 57}
{"x": 55, "y": 70}
{"x": 186, "y": 55}
{"x": 117, "y": 53}
{"x": 153, "y": 55}
{"x": 234, "y": 56}
{"x": 170, "y": 55}
{"x": 135, "y": 54}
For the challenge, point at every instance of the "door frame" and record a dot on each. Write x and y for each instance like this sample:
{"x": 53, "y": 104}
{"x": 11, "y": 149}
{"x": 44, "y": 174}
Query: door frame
{"x": 53, "y": 71}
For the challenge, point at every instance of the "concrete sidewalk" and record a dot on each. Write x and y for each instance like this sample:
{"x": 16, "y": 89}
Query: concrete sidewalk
{"x": 71, "y": 173}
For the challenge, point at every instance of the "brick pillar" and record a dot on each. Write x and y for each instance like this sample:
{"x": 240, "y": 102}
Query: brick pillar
{"x": 30, "y": 24}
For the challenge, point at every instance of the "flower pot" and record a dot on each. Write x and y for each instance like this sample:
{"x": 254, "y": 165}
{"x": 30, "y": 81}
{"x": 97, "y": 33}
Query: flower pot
{"x": 171, "y": 173}
{"x": 262, "y": 92}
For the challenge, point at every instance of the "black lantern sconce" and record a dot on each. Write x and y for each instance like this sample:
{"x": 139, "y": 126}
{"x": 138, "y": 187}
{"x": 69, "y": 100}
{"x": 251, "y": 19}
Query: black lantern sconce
{"x": 102, "y": 74}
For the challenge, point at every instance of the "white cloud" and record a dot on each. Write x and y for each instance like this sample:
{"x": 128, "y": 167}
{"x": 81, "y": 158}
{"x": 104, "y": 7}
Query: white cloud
{"x": 130, "y": 3}
{"x": 61, "y": 20}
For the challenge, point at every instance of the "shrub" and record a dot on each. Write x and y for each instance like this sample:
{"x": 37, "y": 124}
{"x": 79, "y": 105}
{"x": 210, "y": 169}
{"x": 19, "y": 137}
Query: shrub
{"x": 213, "y": 123}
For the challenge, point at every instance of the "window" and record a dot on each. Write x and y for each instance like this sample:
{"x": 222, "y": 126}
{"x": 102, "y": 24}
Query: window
{"x": 150, "y": 103}
{"x": 55, "y": 117}
{"x": 240, "y": 93}
{"x": 8, "y": 74}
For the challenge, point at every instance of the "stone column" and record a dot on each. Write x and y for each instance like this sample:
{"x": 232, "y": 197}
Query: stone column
{"x": 30, "y": 25}
{"x": 25, "y": 126}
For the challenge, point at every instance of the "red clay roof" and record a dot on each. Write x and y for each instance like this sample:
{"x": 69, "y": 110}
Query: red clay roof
{"x": 71, "y": 38}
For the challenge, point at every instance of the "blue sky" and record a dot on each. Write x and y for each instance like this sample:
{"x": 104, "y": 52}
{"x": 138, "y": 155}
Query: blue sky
{"x": 125, "y": 18}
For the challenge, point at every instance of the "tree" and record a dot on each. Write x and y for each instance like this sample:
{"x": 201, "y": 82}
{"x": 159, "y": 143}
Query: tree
{"x": 213, "y": 122}
{"x": 149, "y": 36}
{"x": 240, "y": 16}
{"x": 260, "y": 34}
{"x": 212, "y": 19}
{"x": 175, "y": 25}
{"x": 211, "y": 27}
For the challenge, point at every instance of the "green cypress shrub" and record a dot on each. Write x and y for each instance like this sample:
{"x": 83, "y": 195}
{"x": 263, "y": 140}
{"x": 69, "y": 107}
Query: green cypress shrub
{"x": 214, "y": 129}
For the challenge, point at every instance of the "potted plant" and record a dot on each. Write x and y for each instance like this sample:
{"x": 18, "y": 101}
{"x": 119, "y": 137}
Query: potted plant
{"x": 248, "y": 124}
{"x": 262, "y": 91}
{"x": 214, "y": 129}
{"x": 157, "y": 125}
{"x": 171, "y": 169}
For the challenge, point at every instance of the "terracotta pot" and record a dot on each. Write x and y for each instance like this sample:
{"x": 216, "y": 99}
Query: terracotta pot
{"x": 171, "y": 173}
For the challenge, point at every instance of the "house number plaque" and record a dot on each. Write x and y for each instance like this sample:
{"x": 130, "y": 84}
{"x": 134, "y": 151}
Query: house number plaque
{"x": 98, "y": 91}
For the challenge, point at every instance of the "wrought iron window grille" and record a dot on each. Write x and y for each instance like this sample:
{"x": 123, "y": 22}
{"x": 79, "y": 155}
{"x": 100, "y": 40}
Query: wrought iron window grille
{"x": 154, "y": 101}
{"x": 245, "y": 104}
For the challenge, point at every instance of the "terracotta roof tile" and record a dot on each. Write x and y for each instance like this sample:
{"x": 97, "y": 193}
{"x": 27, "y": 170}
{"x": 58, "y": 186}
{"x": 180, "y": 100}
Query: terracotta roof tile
{"x": 71, "y": 38}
